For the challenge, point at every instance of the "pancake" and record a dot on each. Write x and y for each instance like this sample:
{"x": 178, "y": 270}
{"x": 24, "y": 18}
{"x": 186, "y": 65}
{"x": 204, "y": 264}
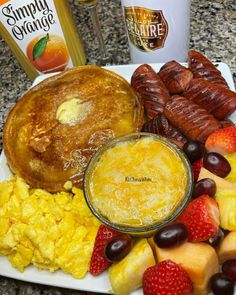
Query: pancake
{"x": 56, "y": 127}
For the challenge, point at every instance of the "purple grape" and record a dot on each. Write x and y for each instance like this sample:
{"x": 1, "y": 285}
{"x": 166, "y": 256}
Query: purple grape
{"x": 171, "y": 235}
{"x": 216, "y": 164}
{"x": 221, "y": 284}
{"x": 118, "y": 247}
{"x": 215, "y": 241}
{"x": 229, "y": 269}
{"x": 194, "y": 150}
{"x": 205, "y": 186}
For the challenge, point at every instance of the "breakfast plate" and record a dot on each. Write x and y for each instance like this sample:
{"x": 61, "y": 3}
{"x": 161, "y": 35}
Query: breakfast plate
{"x": 59, "y": 278}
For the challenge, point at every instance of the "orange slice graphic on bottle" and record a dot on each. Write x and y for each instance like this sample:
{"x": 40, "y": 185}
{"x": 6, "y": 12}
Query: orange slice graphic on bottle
{"x": 48, "y": 53}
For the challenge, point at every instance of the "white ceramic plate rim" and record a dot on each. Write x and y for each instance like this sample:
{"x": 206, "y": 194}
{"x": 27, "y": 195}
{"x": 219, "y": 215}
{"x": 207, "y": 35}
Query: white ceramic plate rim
{"x": 101, "y": 283}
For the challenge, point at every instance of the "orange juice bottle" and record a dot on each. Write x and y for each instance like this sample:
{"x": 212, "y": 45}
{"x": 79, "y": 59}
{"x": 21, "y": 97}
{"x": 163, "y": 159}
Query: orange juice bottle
{"x": 41, "y": 34}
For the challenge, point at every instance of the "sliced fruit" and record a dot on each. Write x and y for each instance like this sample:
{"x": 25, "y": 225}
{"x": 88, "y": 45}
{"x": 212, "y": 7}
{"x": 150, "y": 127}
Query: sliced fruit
{"x": 232, "y": 160}
{"x": 165, "y": 277}
{"x": 196, "y": 168}
{"x": 201, "y": 218}
{"x": 198, "y": 259}
{"x": 227, "y": 248}
{"x": 98, "y": 262}
{"x": 220, "y": 182}
{"x": 222, "y": 141}
{"x": 126, "y": 275}
{"x": 226, "y": 199}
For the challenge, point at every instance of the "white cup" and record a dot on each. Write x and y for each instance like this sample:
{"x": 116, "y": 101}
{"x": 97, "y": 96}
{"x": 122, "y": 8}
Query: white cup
{"x": 158, "y": 30}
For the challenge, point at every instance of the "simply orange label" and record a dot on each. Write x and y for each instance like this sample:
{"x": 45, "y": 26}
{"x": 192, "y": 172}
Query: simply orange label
{"x": 35, "y": 27}
{"x": 4, "y": 1}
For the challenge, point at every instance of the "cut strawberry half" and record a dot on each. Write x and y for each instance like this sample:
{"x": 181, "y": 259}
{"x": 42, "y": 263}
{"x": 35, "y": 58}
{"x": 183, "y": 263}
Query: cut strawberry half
{"x": 98, "y": 262}
{"x": 201, "y": 218}
{"x": 222, "y": 141}
{"x": 196, "y": 168}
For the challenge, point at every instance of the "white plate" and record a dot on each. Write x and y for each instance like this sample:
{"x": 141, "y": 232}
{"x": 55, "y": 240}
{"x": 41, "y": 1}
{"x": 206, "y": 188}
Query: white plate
{"x": 60, "y": 279}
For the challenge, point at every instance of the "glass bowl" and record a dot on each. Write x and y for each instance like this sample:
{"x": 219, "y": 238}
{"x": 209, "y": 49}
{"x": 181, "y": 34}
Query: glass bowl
{"x": 112, "y": 146}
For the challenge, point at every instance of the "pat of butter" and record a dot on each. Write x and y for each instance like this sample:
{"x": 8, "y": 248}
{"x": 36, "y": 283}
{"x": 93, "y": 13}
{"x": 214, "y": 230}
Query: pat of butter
{"x": 68, "y": 185}
{"x": 72, "y": 111}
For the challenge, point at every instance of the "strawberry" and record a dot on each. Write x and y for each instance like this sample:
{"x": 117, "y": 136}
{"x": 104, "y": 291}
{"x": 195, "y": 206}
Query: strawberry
{"x": 201, "y": 218}
{"x": 196, "y": 168}
{"x": 166, "y": 277}
{"x": 98, "y": 262}
{"x": 222, "y": 141}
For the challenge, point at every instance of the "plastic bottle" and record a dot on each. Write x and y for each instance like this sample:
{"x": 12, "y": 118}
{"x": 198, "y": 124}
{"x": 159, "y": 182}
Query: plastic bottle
{"x": 41, "y": 34}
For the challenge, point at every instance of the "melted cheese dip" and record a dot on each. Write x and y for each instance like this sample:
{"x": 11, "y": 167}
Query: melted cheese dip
{"x": 138, "y": 182}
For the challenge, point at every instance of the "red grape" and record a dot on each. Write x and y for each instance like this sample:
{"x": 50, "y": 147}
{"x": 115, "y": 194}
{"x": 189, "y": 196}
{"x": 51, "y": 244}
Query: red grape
{"x": 171, "y": 235}
{"x": 221, "y": 285}
{"x": 229, "y": 269}
{"x": 216, "y": 164}
{"x": 205, "y": 186}
{"x": 194, "y": 150}
{"x": 118, "y": 247}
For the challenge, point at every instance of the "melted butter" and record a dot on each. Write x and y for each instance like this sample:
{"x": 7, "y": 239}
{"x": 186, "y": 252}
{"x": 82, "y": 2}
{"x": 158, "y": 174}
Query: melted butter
{"x": 72, "y": 111}
{"x": 138, "y": 183}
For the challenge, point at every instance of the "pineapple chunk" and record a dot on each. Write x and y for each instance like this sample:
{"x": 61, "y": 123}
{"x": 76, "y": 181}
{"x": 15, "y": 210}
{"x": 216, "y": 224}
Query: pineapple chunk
{"x": 126, "y": 275}
{"x": 227, "y": 248}
{"x": 226, "y": 199}
{"x": 232, "y": 160}
{"x": 198, "y": 259}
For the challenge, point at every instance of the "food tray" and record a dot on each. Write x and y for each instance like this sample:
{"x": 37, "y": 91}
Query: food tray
{"x": 101, "y": 283}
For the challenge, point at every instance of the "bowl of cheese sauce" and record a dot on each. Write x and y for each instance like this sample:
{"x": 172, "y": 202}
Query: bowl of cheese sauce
{"x": 138, "y": 182}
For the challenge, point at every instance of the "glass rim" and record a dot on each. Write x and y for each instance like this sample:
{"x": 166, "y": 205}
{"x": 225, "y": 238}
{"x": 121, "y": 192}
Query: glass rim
{"x": 144, "y": 228}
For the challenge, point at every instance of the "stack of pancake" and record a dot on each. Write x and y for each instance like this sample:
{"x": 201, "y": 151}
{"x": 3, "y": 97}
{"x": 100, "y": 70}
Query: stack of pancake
{"x": 57, "y": 126}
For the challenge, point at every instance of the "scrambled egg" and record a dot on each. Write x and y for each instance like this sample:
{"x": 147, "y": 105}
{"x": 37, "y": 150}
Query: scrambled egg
{"x": 50, "y": 231}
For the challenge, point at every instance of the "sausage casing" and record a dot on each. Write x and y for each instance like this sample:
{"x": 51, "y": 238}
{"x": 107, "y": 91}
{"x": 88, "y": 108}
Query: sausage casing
{"x": 193, "y": 121}
{"x": 152, "y": 90}
{"x": 161, "y": 126}
{"x": 201, "y": 67}
{"x": 217, "y": 100}
{"x": 175, "y": 76}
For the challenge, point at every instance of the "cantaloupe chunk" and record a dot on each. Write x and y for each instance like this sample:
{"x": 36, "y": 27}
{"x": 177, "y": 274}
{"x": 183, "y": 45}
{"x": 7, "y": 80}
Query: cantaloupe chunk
{"x": 126, "y": 275}
{"x": 198, "y": 259}
{"x": 227, "y": 248}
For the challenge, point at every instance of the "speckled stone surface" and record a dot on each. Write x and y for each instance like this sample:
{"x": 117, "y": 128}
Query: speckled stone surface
{"x": 213, "y": 32}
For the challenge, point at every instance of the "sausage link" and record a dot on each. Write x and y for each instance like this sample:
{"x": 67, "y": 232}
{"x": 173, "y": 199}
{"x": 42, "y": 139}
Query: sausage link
{"x": 217, "y": 100}
{"x": 193, "y": 121}
{"x": 152, "y": 90}
{"x": 175, "y": 77}
{"x": 201, "y": 67}
{"x": 161, "y": 126}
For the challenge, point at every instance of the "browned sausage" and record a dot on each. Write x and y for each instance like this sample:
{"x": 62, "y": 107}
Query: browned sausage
{"x": 175, "y": 77}
{"x": 218, "y": 101}
{"x": 201, "y": 67}
{"x": 161, "y": 126}
{"x": 193, "y": 121}
{"x": 226, "y": 123}
{"x": 148, "y": 84}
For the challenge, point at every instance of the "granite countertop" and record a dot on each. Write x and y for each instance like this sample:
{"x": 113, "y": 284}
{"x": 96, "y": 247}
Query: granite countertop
{"x": 213, "y": 33}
